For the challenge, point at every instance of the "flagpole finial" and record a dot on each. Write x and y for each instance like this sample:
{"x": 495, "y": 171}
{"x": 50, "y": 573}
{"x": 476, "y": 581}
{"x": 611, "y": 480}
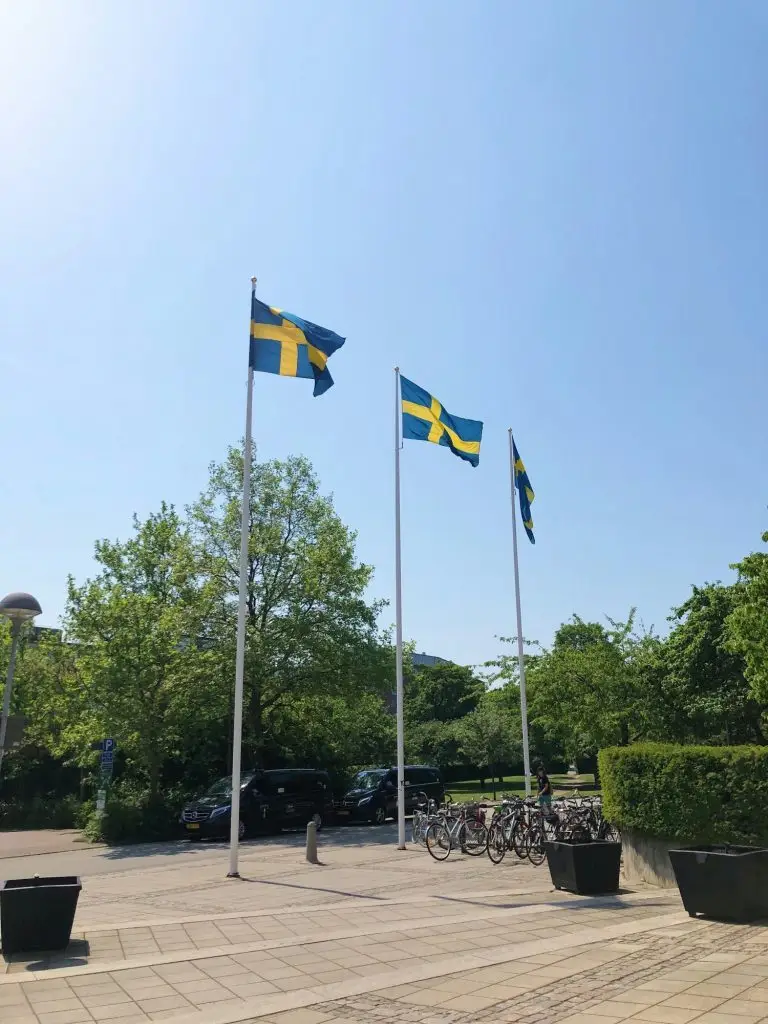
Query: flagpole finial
{"x": 253, "y": 283}
{"x": 397, "y": 369}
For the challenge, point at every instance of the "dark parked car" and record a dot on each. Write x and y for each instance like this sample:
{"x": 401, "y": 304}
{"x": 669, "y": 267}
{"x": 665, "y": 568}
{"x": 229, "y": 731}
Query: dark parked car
{"x": 373, "y": 795}
{"x": 269, "y": 801}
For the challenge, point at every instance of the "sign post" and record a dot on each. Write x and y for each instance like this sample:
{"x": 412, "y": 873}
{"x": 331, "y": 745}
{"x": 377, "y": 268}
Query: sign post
{"x": 106, "y": 766}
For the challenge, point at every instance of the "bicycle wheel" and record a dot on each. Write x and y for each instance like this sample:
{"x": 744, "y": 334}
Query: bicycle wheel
{"x": 438, "y": 840}
{"x": 519, "y": 839}
{"x": 473, "y": 838}
{"x": 497, "y": 844}
{"x": 535, "y": 849}
{"x": 417, "y": 829}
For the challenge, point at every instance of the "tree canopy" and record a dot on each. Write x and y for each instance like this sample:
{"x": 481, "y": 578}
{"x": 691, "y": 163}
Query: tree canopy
{"x": 148, "y": 649}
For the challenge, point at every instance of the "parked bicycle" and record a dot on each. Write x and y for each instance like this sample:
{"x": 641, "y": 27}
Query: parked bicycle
{"x": 454, "y": 827}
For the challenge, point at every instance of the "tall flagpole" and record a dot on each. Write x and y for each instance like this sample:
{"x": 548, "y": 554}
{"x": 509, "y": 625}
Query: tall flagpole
{"x": 520, "y": 645}
{"x": 399, "y": 630}
{"x": 237, "y": 729}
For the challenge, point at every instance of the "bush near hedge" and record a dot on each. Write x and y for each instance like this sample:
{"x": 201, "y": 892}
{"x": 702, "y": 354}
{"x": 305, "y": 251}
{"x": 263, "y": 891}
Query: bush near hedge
{"x": 688, "y": 794}
{"x": 131, "y": 818}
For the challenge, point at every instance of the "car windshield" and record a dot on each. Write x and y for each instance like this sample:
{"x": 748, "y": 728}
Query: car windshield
{"x": 223, "y": 787}
{"x": 368, "y": 780}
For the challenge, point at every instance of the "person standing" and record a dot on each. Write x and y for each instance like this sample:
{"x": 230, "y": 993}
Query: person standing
{"x": 545, "y": 791}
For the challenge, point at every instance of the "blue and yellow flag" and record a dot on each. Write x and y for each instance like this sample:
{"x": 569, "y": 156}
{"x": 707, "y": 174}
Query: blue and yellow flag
{"x": 525, "y": 491}
{"x": 286, "y": 344}
{"x": 424, "y": 419}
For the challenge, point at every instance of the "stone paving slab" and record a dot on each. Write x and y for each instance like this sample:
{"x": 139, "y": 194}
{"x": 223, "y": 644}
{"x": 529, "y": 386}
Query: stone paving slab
{"x": 599, "y": 983}
{"x": 185, "y": 939}
{"x": 378, "y": 935}
{"x": 295, "y": 976}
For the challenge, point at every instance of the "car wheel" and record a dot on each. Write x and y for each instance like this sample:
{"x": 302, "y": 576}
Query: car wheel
{"x": 379, "y": 816}
{"x": 241, "y": 830}
{"x": 318, "y": 820}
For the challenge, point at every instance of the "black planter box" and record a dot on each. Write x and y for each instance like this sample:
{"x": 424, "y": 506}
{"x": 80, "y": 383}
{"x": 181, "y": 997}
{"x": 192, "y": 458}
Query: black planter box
{"x": 585, "y": 868}
{"x": 37, "y": 913}
{"x": 729, "y": 883}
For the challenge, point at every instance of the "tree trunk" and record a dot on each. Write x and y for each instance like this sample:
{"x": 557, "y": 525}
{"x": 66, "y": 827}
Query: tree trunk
{"x": 153, "y": 756}
{"x": 494, "y": 773}
{"x": 257, "y": 726}
{"x": 154, "y": 777}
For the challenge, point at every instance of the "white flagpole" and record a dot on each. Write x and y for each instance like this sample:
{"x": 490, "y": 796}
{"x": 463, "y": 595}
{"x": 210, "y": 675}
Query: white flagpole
{"x": 399, "y": 631}
{"x": 520, "y": 645}
{"x": 237, "y": 729}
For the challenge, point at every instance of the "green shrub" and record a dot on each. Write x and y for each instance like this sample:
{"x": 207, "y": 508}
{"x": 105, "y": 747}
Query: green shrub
{"x": 61, "y": 812}
{"x": 83, "y": 813}
{"x": 64, "y": 812}
{"x": 688, "y": 794}
{"x": 132, "y": 818}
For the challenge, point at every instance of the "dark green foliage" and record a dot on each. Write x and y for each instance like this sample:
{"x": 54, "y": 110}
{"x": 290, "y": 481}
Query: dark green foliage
{"x": 39, "y": 812}
{"x": 438, "y": 698}
{"x": 687, "y": 793}
{"x": 148, "y": 651}
{"x": 133, "y": 819}
{"x": 701, "y": 693}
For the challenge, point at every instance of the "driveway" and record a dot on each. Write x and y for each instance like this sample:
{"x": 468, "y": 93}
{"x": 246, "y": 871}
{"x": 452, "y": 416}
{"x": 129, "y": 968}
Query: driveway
{"x": 27, "y": 843}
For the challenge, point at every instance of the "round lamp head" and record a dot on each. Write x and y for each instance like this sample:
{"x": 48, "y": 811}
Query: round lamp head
{"x": 19, "y": 607}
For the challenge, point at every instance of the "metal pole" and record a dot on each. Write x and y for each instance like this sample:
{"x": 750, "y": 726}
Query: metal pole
{"x": 399, "y": 630}
{"x": 15, "y": 631}
{"x": 237, "y": 729}
{"x": 520, "y": 645}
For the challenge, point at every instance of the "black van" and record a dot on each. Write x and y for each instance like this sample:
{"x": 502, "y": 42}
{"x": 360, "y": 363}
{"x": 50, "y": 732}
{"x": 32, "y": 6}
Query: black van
{"x": 269, "y": 801}
{"x": 373, "y": 794}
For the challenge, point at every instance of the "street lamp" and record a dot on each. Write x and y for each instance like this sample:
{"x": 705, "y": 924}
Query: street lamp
{"x": 19, "y": 608}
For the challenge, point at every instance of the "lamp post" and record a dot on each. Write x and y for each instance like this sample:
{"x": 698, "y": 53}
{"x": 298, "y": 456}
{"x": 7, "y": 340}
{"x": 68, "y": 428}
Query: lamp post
{"x": 19, "y": 608}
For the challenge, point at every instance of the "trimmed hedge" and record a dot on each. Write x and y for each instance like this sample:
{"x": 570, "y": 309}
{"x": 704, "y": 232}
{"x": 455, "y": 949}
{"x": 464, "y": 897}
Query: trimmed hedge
{"x": 688, "y": 794}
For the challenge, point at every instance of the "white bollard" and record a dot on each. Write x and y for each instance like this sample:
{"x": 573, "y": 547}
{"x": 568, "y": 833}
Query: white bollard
{"x": 312, "y": 843}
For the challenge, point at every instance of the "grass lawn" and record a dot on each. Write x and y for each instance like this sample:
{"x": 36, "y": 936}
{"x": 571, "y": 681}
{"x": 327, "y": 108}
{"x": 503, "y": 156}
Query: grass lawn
{"x": 563, "y": 785}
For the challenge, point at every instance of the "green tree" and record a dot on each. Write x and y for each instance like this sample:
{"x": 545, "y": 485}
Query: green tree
{"x": 437, "y": 698}
{"x": 588, "y": 690}
{"x": 441, "y": 693}
{"x": 141, "y": 675}
{"x": 310, "y": 631}
{"x": 490, "y": 735}
{"x": 503, "y": 675}
{"x": 335, "y": 733}
{"x": 747, "y": 625}
{"x": 700, "y": 691}
{"x": 50, "y": 690}
{"x": 434, "y": 742}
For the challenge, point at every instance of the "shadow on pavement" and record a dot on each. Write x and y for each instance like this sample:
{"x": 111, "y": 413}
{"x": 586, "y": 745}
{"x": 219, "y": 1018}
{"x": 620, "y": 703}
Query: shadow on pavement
{"x": 312, "y": 888}
{"x": 343, "y": 837}
{"x": 575, "y": 902}
{"x": 75, "y": 955}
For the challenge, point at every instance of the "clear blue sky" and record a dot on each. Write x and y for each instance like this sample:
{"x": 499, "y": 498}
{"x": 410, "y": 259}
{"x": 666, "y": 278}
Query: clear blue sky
{"x": 552, "y": 216}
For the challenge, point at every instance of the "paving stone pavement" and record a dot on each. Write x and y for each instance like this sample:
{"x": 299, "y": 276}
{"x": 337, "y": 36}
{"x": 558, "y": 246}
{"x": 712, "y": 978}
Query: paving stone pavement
{"x": 379, "y": 935}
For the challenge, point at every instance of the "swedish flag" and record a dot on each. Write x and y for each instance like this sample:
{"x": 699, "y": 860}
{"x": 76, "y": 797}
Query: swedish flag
{"x": 525, "y": 491}
{"x": 425, "y": 419}
{"x": 286, "y": 344}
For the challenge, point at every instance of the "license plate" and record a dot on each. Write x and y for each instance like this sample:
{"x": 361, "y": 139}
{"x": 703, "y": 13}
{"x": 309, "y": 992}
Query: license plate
{"x": 191, "y": 825}
{"x": 342, "y": 812}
